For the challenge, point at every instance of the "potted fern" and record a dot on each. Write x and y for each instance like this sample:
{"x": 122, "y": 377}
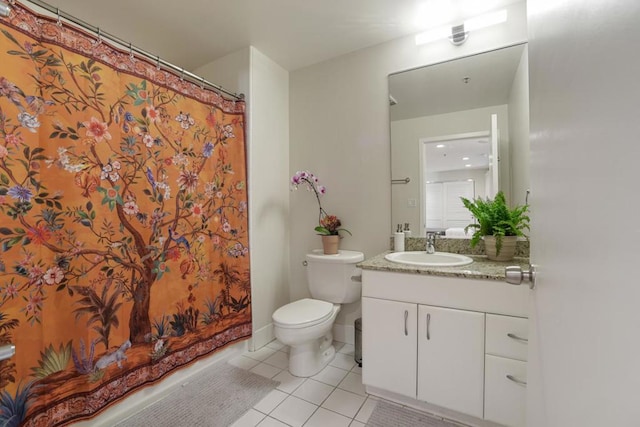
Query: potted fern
{"x": 498, "y": 225}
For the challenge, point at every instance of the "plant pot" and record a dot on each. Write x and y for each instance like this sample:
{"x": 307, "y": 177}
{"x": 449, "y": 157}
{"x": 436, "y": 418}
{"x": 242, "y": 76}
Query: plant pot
{"x": 330, "y": 244}
{"x": 507, "y": 251}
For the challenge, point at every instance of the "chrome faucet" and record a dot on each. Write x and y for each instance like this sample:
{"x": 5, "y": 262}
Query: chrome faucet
{"x": 431, "y": 243}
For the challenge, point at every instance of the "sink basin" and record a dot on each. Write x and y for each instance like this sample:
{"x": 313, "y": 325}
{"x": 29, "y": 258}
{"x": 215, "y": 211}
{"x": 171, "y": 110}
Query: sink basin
{"x": 421, "y": 258}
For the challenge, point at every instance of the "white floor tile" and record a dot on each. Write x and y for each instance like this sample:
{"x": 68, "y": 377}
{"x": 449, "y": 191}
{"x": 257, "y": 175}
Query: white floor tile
{"x": 357, "y": 424}
{"x": 293, "y": 411}
{"x": 278, "y": 359}
{"x": 265, "y": 370}
{"x": 357, "y": 369}
{"x": 325, "y": 418}
{"x": 270, "y": 422}
{"x": 353, "y": 383}
{"x": 275, "y": 345}
{"x": 251, "y": 418}
{"x": 348, "y": 349}
{"x": 330, "y": 375}
{"x": 338, "y": 345}
{"x": 344, "y": 402}
{"x": 366, "y": 410}
{"x": 243, "y": 362}
{"x": 313, "y": 391}
{"x": 260, "y": 354}
{"x": 288, "y": 382}
{"x": 270, "y": 401}
{"x": 343, "y": 361}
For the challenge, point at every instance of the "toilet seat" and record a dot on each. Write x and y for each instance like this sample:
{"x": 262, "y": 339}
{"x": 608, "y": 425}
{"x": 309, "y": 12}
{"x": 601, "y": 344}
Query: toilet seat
{"x": 302, "y": 313}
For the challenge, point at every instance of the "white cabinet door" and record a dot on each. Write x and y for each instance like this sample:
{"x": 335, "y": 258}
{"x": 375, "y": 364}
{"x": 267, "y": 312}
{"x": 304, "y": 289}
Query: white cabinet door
{"x": 505, "y": 391}
{"x": 389, "y": 345}
{"x": 451, "y": 358}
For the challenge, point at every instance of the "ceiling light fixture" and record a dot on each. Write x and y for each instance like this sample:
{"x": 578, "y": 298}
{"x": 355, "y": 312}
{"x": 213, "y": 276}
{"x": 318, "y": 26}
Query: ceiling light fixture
{"x": 467, "y": 166}
{"x": 5, "y": 9}
{"x": 465, "y": 158}
{"x": 440, "y": 146}
{"x": 459, "y": 34}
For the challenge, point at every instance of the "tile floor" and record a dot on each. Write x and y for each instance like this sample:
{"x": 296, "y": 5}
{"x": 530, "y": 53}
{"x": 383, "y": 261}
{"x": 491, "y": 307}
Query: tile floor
{"x": 334, "y": 397}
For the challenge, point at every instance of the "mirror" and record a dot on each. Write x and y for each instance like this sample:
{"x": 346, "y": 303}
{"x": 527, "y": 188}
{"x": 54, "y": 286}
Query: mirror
{"x": 458, "y": 128}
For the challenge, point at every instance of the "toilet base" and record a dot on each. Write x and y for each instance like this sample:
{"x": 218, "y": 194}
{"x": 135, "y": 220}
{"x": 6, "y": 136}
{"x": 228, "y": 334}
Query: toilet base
{"x": 308, "y": 359}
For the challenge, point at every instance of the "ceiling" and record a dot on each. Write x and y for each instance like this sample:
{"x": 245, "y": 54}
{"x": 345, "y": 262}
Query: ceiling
{"x": 293, "y": 33}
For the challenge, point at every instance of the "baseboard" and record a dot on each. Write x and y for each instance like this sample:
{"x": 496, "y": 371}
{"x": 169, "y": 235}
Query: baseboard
{"x": 261, "y": 337}
{"x": 151, "y": 394}
{"x": 344, "y": 333}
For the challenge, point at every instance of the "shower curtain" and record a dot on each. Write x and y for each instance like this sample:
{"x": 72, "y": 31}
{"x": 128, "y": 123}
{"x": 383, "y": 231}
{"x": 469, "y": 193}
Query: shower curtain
{"x": 123, "y": 222}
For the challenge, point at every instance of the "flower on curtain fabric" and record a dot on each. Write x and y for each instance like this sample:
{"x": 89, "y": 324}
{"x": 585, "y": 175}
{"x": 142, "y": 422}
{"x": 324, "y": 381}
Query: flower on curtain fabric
{"x": 188, "y": 180}
{"x": 28, "y": 121}
{"x": 3, "y": 152}
{"x": 180, "y": 159}
{"x": 38, "y": 235}
{"x": 147, "y": 140}
{"x": 97, "y": 129}
{"x": 10, "y": 90}
{"x": 207, "y": 150}
{"x": 110, "y": 171}
{"x": 130, "y": 208}
{"x": 185, "y": 120}
{"x": 14, "y": 139}
{"x": 196, "y": 210}
{"x": 53, "y": 276}
{"x": 20, "y": 193}
{"x": 228, "y": 131}
{"x": 153, "y": 114}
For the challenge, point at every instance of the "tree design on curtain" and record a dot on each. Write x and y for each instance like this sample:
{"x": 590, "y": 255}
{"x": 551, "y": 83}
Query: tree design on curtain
{"x": 123, "y": 224}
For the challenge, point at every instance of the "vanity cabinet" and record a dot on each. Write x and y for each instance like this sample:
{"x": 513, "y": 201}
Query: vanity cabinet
{"x": 454, "y": 343}
{"x": 450, "y": 358}
{"x": 392, "y": 364}
{"x": 506, "y": 370}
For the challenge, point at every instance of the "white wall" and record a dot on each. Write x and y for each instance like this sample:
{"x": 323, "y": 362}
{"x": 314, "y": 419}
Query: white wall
{"x": 340, "y": 131}
{"x": 405, "y": 153}
{"x": 519, "y": 131}
{"x": 266, "y": 87}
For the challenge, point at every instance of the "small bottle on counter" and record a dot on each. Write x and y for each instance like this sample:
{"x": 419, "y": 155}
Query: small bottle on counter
{"x": 406, "y": 231}
{"x": 398, "y": 239}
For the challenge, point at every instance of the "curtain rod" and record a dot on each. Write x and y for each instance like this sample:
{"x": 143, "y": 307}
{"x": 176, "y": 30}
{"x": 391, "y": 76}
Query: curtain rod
{"x": 193, "y": 78}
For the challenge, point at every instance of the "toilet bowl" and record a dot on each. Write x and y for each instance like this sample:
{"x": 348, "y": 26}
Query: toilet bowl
{"x": 306, "y": 325}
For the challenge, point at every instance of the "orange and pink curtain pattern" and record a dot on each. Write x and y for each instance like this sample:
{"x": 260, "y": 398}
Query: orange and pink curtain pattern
{"x": 123, "y": 222}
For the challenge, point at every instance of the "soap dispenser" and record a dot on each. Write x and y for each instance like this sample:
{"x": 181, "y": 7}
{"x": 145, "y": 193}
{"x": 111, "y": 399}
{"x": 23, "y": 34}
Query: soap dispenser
{"x": 398, "y": 239}
{"x": 406, "y": 231}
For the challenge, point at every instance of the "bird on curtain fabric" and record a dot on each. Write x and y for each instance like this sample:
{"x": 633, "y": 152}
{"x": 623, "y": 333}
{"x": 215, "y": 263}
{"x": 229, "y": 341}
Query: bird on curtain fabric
{"x": 179, "y": 239}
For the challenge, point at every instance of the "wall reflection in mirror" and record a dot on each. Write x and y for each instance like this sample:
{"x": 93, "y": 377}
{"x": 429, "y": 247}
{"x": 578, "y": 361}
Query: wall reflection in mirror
{"x": 458, "y": 129}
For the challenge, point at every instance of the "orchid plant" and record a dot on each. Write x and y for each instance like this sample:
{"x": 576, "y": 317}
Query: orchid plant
{"x": 328, "y": 225}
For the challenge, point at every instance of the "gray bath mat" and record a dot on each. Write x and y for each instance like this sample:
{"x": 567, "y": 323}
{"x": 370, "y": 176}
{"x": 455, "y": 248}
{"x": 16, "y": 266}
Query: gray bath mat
{"x": 216, "y": 398}
{"x": 387, "y": 414}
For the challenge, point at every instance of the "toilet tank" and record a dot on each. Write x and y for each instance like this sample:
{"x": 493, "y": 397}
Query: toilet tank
{"x": 335, "y": 278}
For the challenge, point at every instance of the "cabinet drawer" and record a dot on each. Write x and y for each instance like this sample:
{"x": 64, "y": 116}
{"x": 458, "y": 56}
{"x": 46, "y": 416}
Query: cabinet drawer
{"x": 504, "y": 398}
{"x": 507, "y": 336}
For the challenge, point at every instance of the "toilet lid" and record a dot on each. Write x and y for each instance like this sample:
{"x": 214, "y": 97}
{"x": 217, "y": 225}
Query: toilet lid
{"x": 304, "y": 312}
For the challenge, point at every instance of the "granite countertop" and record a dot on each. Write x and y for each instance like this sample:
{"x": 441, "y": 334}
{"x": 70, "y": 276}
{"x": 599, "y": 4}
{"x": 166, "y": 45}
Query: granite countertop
{"x": 481, "y": 268}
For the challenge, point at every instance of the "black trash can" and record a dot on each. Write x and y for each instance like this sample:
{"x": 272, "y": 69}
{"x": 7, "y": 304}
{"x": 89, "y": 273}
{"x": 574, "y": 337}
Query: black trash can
{"x": 358, "y": 342}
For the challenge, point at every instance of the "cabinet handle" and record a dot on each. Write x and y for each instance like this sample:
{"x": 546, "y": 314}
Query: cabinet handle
{"x": 515, "y": 380}
{"x": 428, "y": 323}
{"x": 406, "y": 316}
{"x": 515, "y": 337}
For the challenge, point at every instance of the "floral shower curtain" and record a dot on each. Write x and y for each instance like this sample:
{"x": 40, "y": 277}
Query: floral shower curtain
{"x": 123, "y": 222}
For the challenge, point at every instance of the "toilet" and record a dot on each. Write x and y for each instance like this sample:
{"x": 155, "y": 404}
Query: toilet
{"x": 306, "y": 325}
